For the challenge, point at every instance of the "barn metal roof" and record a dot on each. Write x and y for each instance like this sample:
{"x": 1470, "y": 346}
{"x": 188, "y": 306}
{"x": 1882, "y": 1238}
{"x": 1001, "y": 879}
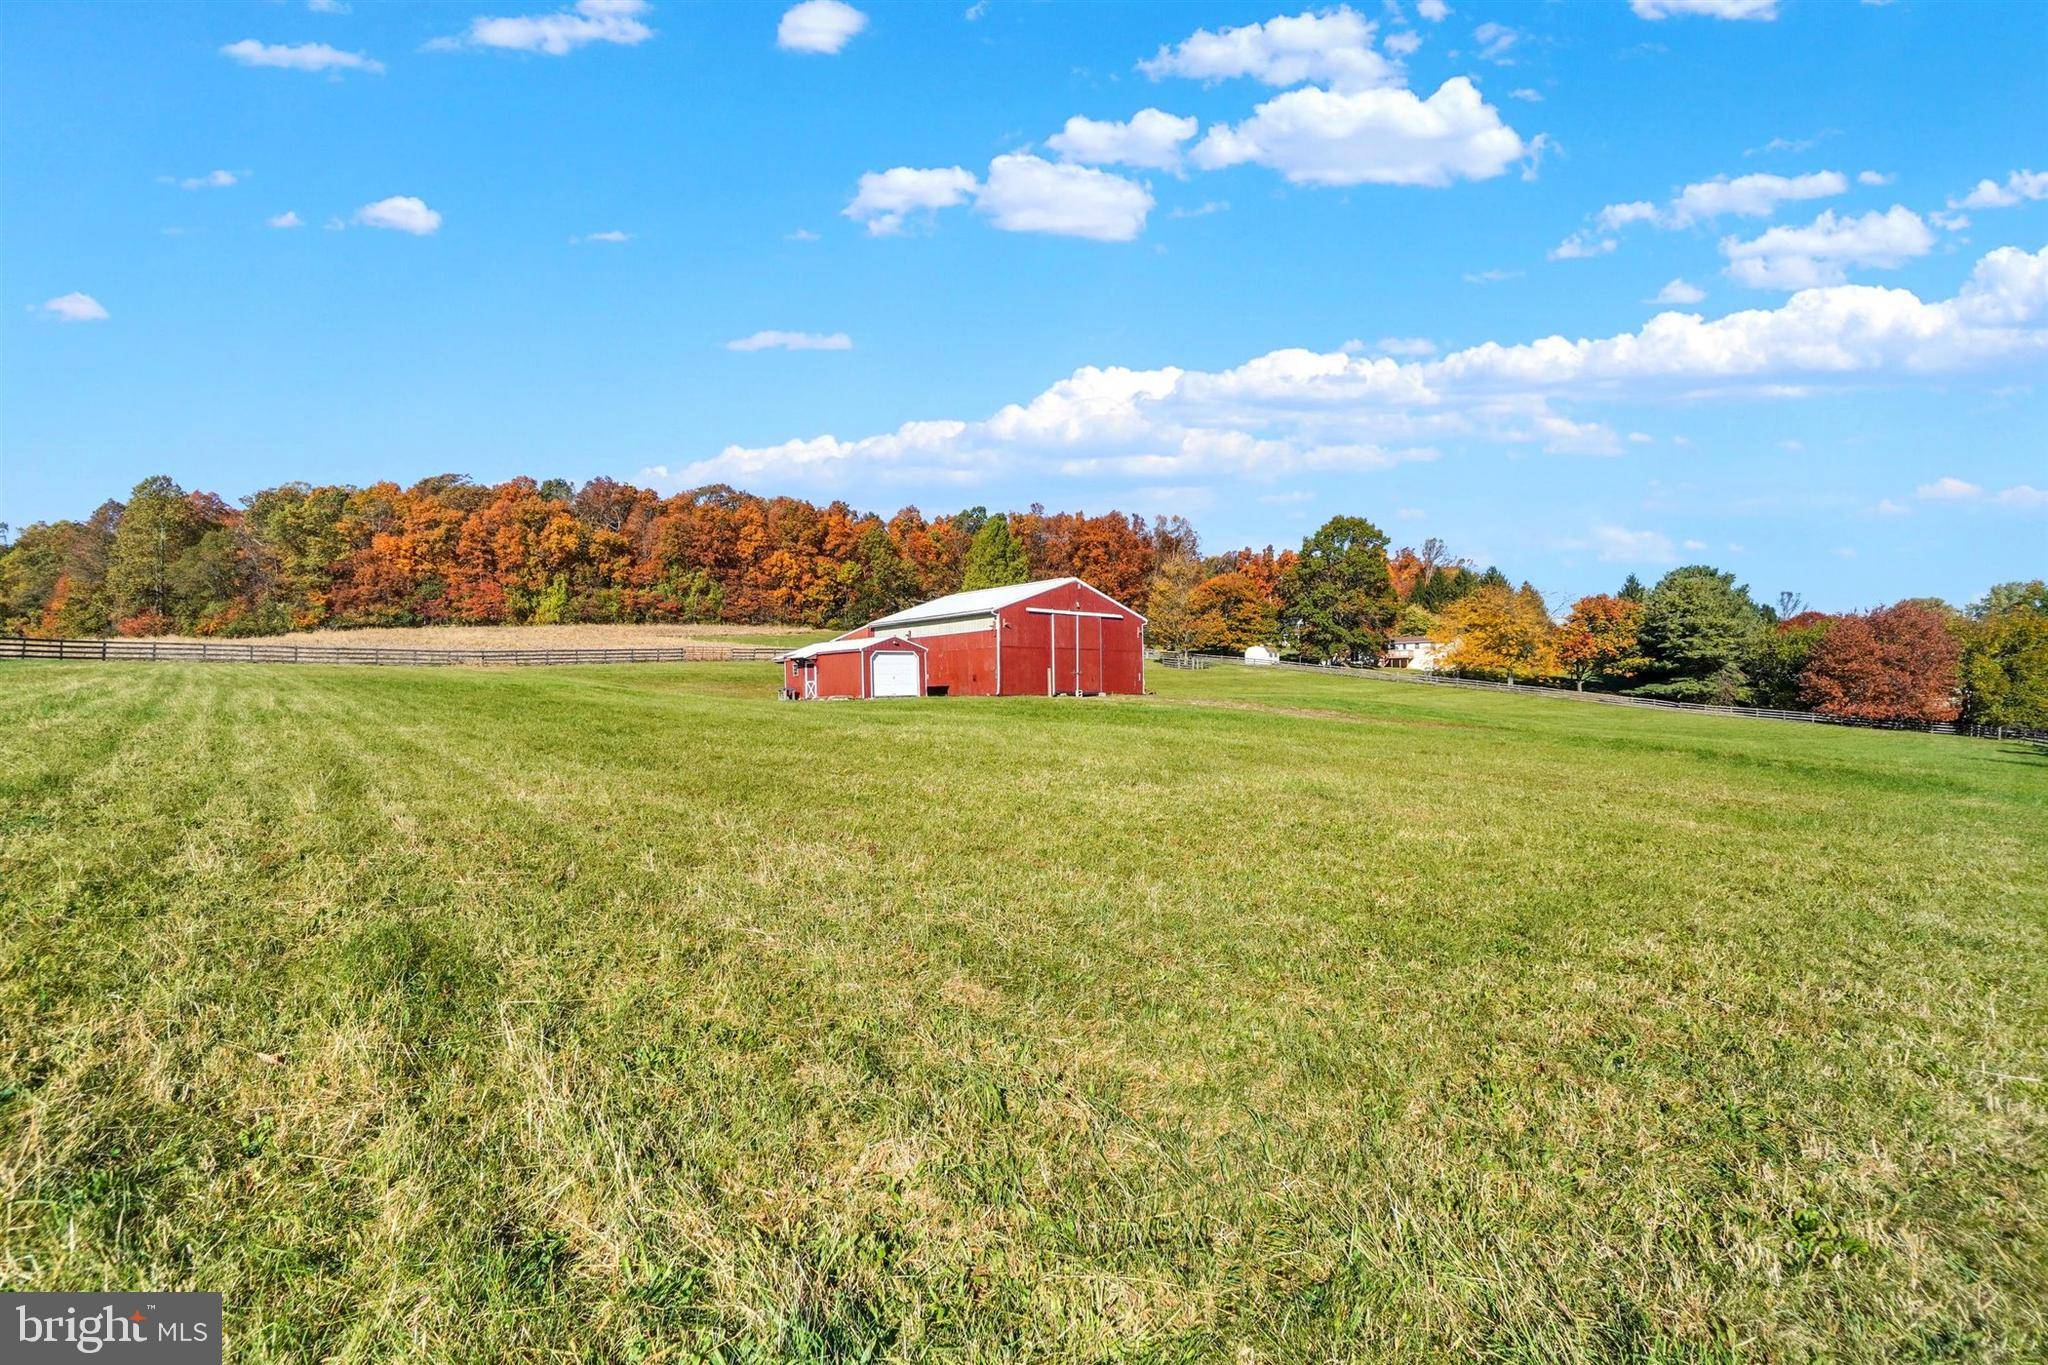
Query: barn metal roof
{"x": 980, "y": 602}
{"x": 845, "y": 646}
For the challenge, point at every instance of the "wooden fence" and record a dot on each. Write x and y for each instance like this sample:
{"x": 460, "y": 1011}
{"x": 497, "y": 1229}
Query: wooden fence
{"x": 1422, "y": 678}
{"x": 231, "y": 652}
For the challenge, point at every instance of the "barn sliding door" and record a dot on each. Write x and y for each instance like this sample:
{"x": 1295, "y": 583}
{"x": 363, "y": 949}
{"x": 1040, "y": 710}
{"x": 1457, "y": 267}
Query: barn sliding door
{"x": 1090, "y": 655}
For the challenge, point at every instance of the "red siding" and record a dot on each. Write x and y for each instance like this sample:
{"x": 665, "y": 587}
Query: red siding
{"x": 1106, "y": 656}
{"x": 839, "y": 675}
{"x": 846, "y": 673}
{"x": 1039, "y": 652}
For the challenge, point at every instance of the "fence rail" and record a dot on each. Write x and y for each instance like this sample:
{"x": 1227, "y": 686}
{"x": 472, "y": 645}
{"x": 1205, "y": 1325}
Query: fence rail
{"x": 226, "y": 651}
{"x": 1426, "y": 679}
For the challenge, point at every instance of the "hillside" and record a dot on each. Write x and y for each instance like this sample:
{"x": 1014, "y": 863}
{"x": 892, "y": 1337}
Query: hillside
{"x": 630, "y": 1014}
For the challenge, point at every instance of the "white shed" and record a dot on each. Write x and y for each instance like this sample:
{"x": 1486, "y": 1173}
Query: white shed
{"x": 1258, "y": 656}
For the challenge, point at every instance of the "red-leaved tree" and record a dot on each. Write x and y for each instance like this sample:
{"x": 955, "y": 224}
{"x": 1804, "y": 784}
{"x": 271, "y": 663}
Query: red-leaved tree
{"x": 1894, "y": 663}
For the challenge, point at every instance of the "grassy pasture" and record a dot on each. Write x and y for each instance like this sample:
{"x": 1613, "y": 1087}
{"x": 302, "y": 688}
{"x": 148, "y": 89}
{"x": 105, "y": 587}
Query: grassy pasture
{"x": 626, "y": 1014}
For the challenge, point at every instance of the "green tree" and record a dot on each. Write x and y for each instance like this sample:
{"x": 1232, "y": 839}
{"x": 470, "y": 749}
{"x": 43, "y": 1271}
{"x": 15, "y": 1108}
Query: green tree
{"x": 1698, "y": 631}
{"x": 158, "y": 525}
{"x": 1780, "y": 655}
{"x": 1632, "y": 589}
{"x": 2005, "y": 669}
{"x": 2003, "y": 597}
{"x": 883, "y": 581}
{"x": 995, "y": 559}
{"x": 1337, "y": 597}
{"x": 1443, "y": 585}
{"x": 295, "y": 543}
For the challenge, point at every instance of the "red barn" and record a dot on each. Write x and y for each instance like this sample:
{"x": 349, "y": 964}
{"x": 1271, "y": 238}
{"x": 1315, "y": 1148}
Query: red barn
{"x": 1052, "y": 638}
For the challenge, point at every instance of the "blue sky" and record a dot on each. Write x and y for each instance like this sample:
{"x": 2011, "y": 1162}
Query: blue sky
{"x": 1395, "y": 260}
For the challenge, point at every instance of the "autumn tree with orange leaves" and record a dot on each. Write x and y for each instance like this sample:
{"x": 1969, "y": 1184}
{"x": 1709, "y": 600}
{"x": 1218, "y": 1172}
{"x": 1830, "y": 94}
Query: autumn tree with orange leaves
{"x": 1598, "y": 639}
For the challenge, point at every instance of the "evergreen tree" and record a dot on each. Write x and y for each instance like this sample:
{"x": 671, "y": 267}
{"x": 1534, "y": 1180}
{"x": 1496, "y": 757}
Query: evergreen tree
{"x": 1632, "y": 589}
{"x": 1338, "y": 597}
{"x": 1698, "y": 631}
{"x": 995, "y": 559}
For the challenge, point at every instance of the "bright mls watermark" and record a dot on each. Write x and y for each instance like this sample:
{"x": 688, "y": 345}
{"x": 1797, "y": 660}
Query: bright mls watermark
{"x": 163, "y": 1329}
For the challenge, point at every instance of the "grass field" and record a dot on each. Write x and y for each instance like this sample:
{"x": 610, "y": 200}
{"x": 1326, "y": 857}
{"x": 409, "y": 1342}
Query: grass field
{"x": 626, "y": 1014}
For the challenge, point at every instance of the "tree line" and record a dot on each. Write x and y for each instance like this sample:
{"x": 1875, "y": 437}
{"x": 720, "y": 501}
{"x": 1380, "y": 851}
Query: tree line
{"x": 1696, "y": 636}
{"x": 450, "y": 551}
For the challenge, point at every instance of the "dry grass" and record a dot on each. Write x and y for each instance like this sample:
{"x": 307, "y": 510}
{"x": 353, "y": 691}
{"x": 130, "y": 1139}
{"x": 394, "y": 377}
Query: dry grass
{"x": 626, "y": 1015}
{"x": 537, "y": 637}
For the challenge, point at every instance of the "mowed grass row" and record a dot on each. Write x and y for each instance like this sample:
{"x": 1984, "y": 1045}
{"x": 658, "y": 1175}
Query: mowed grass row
{"x": 628, "y": 1014}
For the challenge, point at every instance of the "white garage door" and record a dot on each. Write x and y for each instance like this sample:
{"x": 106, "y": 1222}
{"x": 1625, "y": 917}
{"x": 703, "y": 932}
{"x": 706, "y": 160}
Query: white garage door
{"x": 895, "y": 673}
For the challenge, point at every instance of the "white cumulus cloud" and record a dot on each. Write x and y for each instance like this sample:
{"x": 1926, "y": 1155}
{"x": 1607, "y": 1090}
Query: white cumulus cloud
{"x": 792, "y": 341}
{"x": 1150, "y": 138}
{"x": 287, "y": 219}
{"x": 885, "y": 199}
{"x": 1742, "y": 196}
{"x": 2019, "y": 186}
{"x": 1025, "y": 193}
{"x": 74, "y": 308}
{"x": 1749, "y": 196}
{"x": 1825, "y": 250}
{"x": 1436, "y": 11}
{"x": 1580, "y": 246}
{"x": 611, "y": 236}
{"x": 1334, "y": 47}
{"x": 559, "y": 33}
{"x": 1292, "y": 410}
{"x": 400, "y": 213}
{"x": 1948, "y": 488}
{"x": 1679, "y": 292}
{"x": 819, "y": 26}
{"x": 212, "y": 180}
{"x": 1379, "y": 136}
{"x": 299, "y": 56}
{"x": 1711, "y": 9}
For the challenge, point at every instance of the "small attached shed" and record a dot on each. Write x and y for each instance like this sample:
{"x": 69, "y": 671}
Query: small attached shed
{"x": 1056, "y": 637}
{"x": 876, "y": 666}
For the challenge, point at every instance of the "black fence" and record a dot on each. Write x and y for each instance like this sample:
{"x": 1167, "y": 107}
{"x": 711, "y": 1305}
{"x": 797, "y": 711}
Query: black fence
{"x": 1422, "y": 678}
{"x": 231, "y": 652}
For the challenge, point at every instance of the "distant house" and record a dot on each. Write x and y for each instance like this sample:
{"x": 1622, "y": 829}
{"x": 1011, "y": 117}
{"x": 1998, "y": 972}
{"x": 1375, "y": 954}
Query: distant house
{"x": 1258, "y": 656}
{"x": 1414, "y": 651}
{"x": 1050, "y": 638}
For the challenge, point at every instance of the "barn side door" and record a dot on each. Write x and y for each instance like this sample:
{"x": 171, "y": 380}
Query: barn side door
{"x": 1090, "y": 659}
